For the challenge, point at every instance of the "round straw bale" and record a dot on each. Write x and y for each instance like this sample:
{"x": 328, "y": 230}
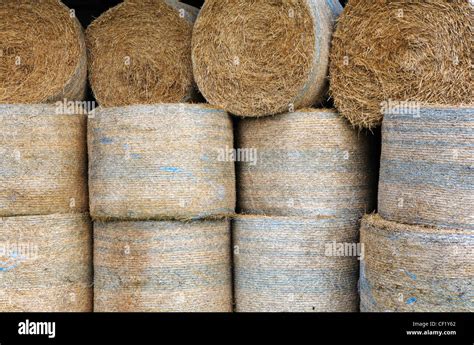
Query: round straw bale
{"x": 140, "y": 53}
{"x": 42, "y": 52}
{"x": 46, "y": 263}
{"x": 292, "y": 265}
{"x": 305, "y": 163}
{"x": 400, "y": 50}
{"x": 157, "y": 162}
{"x": 427, "y": 163}
{"x": 415, "y": 269}
{"x": 271, "y": 57}
{"x": 43, "y": 161}
{"x": 163, "y": 266}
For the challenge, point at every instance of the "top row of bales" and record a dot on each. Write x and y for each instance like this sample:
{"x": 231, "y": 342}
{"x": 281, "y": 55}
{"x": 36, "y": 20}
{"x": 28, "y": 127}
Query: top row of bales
{"x": 271, "y": 58}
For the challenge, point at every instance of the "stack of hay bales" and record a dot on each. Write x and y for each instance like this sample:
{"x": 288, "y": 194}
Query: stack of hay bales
{"x": 160, "y": 198}
{"x": 416, "y": 76}
{"x": 304, "y": 177}
{"x": 159, "y": 195}
{"x": 420, "y": 249}
{"x": 301, "y": 198}
{"x": 45, "y": 231}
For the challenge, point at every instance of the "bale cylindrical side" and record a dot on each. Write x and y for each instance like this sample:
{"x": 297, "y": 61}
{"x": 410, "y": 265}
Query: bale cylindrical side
{"x": 140, "y": 53}
{"x": 163, "y": 266}
{"x": 43, "y": 161}
{"x": 160, "y": 162}
{"x": 270, "y": 58}
{"x": 42, "y": 52}
{"x": 291, "y": 265}
{"x": 426, "y": 172}
{"x": 306, "y": 163}
{"x": 415, "y": 269}
{"x": 46, "y": 263}
{"x": 403, "y": 51}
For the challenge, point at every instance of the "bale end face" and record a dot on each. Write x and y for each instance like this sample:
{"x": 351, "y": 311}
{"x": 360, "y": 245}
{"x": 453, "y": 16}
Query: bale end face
{"x": 42, "y": 53}
{"x": 269, "y": 59}
{"x": 402, "y": 51}
{"x": 140, "y": 53}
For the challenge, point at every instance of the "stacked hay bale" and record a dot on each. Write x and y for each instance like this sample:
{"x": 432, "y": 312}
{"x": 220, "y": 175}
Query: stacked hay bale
{"x": 284, "y": 264}
{"x": 42, "y": 53}
{"x": 140, "y": 53}
{"x": 160, "y": 162}
{"x": 304, "y": 177}
{"x": 160, "y": 198}
{"x": 301, "y": 198}
{"x": 269, "y": 59}
{"x": 45, "y": 238}
{"x": 165, "y": 266}
{"x": 415, "y": 268}
{"x": 419, "y": 256}
{"x": 159, "y": 195}
{"x": 400, "y": 50}
{"x": 294, "y": 148}
{"x": 45, "y": 232}
{"x": 426, "y": 175}
{"x": 418, "y": 251}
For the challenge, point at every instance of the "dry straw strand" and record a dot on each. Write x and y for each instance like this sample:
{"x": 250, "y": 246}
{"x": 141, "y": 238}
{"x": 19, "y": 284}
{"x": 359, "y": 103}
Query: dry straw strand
{"x": 42, "y": 52}
{"x": 140, "y": 53}
{"x": 282, "y": 264}
{"x": 271, "y": 57}
{"x": 308, "y": 163}
{"x": 426, "y": 174}
{"x": 43, "y": 160}
{"x": 400, "y": 50}
{"x": 46, "y": 263}
{"x": 408, "y": 268}
{"x": 160, "y": 162}
{"x": 164, "y": 266}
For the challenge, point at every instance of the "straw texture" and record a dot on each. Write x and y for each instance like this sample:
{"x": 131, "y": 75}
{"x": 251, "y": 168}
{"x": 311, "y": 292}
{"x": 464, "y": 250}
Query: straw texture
{"x": 140, "y": 53}
{"x": 281, "y": 265}
{"x": 400, "y": 50}
{"x": 427, "y": 165}
{"x": 46, "y": 263}
{"x": 162, "y": 267}
{"x": 186, "y": 11}
{"x": 416, "y": 269}
{"x": 271, "y": 57}
{"x": 42, "y": 52}
{"x": 160, "y": 162}
{"x": 309, "y": 163}
{"x": 43, "y": 161}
